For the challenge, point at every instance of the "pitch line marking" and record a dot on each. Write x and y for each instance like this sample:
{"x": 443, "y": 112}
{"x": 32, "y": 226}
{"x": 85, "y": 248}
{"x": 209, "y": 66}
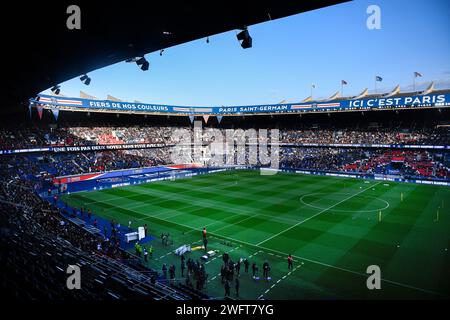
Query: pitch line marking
{"x": 279, "y": 280}
{"x": 357, "y": 211}
{"x": 237, "y": 222}
{"x": 311, "y": 260}
{"x": 172, "y": 252}
{"x": 179, "y": 211}
{"x": 229, "y": 251}
{"x": 306, "y": 259}
{"x": 151, "y": 192}
{"x": 315, "y": 215}
{"x": 213, "y": 278}
{"x": 141, "y": 185}
{"x": 223, "y": 220}
{"x": 237, "y": 211}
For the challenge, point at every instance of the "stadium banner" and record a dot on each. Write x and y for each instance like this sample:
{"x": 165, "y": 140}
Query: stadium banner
{"x": 79, "y": 104}
{"x": 365, "y": 145}
{"x": 86, "y": 148}
{"x": 109, "y": 147}
{"x": 30, "y": 150}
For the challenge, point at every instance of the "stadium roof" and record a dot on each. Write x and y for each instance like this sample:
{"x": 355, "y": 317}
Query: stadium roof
{"x": 46, "y": 52}
{"x": 396, "y": 99}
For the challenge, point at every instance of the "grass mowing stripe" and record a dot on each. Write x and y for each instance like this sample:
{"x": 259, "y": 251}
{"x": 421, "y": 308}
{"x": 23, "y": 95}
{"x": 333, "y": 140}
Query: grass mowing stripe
{"x": 271, "y": 217}
{"x": 295, "y": 256}
{"x": 163, "y": 210}
{"x": 123, "y": 190}
{"x": 239, "y": 212}
{"x": 166, "y": 195}
{"x": 337, "y": 240}
{"x": 106, "y": 205}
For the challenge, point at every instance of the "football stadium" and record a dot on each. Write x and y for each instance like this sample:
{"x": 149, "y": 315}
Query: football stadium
{"x": 339, "y": 195}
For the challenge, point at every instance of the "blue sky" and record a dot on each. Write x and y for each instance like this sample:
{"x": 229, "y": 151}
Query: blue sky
{"x": 321, "y": 47}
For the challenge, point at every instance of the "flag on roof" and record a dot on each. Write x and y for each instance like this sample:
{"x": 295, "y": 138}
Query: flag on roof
{"x": 417, "y": 74}
{"x": 343, "y": 82}
{"x": 378, "y": 78}
{"x": 55, "y": 112}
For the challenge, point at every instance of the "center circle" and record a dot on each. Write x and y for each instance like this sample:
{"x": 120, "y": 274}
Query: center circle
{"x": 320, "y": 197}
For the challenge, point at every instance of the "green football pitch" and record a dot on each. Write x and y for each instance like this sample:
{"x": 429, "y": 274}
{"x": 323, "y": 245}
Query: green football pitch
{"x": 334, "y": 228}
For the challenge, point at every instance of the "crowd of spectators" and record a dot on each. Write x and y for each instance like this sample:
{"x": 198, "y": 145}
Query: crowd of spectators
{"x": 62, "y": 164}
{"x": 22, "y": 136}
{"x": 407, "y": 163}
{"x": 322, "y": 159}
{"x": 124, "y": 159}
{"x": 28, "y": 137}
{"x": 420, "y": 164}
{"x": 368, "y": 136}
{"x": 21, "y": 193}
{"x": 39, "y": 240}
{"x": 22, "y": 209}
{"x": 121, "y": 135}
